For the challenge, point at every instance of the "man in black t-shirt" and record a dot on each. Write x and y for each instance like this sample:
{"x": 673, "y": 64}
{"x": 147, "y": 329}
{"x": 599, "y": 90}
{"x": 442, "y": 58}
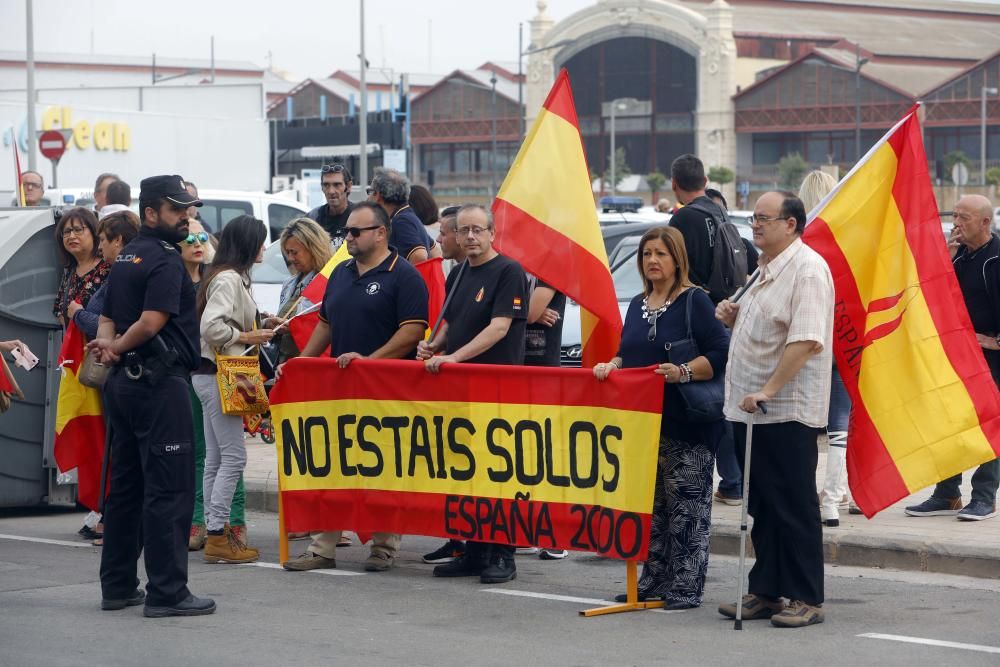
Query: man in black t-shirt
{"x": 543, "y": 335}
{"x": 332, "y": 216}
{"x": 484, "y": 323}
{"x": 687, "y": 178}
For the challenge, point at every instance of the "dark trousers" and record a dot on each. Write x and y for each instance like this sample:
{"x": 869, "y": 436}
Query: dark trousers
{"x": 152, "y": 488}
{"x": 984, "y": 484}
{"x": 787, "y": 534}
{"x": 730, "y": 470}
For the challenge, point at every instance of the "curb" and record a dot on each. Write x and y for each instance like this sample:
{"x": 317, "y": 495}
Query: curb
{"x": 839, "y": 548}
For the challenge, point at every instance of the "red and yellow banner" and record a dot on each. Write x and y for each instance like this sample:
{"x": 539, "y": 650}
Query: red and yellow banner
{"x": 80, "y": 433}
{"x": 925, "y": 405}
{"x": 547, "y": 221}
{"x": 507, "y": 454}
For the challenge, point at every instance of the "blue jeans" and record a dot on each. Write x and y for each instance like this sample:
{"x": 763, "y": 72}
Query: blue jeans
{"x": 729, "y": 468}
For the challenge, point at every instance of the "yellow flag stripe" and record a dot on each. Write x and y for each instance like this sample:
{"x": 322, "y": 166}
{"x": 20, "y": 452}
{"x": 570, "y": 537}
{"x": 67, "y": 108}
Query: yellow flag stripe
{"x": 533, "y": 465}
{"x": 543, "y": 189}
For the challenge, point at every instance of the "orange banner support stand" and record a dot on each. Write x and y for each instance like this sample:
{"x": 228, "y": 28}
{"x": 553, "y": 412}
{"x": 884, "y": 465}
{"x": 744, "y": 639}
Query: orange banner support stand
{"x": 282, "y": 533}
{"x": 632, "y": 591}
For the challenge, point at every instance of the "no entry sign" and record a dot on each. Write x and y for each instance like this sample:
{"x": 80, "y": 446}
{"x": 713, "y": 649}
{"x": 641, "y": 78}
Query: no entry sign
{"x": 52, "y": 144}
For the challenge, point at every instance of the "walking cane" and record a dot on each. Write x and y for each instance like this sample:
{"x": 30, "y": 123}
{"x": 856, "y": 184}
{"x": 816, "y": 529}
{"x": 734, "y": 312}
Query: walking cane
{"x": 738, "y": 623}
{"x": 447, "y": 300}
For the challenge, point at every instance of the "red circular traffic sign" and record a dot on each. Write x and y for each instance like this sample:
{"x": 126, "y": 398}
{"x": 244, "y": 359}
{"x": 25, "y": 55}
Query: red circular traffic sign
{"x": 52, "y": 144}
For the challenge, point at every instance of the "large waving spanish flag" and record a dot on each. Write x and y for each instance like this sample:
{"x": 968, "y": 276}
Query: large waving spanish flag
{"x": 547, "y": 221}
{"x": 925, "y": 405}
{"x": 79, "y": 441}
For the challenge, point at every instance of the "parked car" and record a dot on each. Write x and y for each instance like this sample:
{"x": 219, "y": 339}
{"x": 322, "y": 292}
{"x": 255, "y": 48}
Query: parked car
{"x": 627, "y": 284}
{"x": 267, "y": 277}
{"x": 276, "y": 211}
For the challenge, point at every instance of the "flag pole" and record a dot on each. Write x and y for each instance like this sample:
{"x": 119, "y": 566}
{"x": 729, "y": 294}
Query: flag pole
{"x": 447, "y": 300}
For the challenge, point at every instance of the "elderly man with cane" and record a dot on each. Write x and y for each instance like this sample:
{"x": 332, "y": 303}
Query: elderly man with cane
{"x": 780, "y": 355}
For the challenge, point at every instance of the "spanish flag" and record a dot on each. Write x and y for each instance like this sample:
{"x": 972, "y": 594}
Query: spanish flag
{"x": 547, "y": 221}
{"x": 925, "y": 405}
{"x": 80, "y": 433}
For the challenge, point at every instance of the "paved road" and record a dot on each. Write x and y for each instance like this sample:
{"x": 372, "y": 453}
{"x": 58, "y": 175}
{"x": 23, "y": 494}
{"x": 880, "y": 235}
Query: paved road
{"x": 49, "y": 614}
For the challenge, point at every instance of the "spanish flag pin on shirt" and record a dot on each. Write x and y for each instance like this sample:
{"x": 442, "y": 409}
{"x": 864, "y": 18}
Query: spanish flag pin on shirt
{"x": 517, "y": 303}
{"x": 480, "y": 294}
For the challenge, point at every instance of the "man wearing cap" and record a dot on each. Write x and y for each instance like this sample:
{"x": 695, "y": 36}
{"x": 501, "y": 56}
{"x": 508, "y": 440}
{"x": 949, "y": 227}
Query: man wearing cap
{"x": 148, "y": 332}
{"x": 332, "y": 216}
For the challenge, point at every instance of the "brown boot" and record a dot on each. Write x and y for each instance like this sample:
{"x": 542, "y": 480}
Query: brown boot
{"x": 196, "y": 540}
{"x": 227, "y": 548}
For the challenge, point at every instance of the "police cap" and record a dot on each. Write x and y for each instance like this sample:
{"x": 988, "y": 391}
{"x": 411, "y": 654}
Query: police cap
{"x": 170, "y": 188}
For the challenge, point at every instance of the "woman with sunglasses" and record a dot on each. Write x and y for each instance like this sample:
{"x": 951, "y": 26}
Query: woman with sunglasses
{"x": 229, "y": 327}
{"x": 197, "y": 253}
{"x": 682, "y": 503}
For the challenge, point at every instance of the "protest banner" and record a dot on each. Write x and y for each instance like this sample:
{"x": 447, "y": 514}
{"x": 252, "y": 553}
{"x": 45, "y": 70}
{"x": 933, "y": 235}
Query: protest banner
{"x": 547, "y": 457}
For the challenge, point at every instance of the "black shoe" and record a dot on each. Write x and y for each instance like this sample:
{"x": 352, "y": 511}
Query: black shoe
{"x": 643, "y": 597}
{"x": 466, "y": 565}
{"x": 89, "y": 533}
{"x": 678, "y": 605}
{"x": 136, "y": 598}
{"x": 501, "y": 569}
{"x": 191, "y": 606}
{"x": 831, "y": 523}
{"x": 446, "y": 553}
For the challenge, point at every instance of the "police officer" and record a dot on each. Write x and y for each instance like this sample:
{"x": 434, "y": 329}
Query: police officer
{"x": 149, "y": 332}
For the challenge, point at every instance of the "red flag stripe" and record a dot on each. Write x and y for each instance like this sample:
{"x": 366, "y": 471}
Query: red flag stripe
{"x": 560, "y": 99}
{"x": 557, "y": 260}
{"x": 416, "y": 384}
{"x": 420, "y": 514}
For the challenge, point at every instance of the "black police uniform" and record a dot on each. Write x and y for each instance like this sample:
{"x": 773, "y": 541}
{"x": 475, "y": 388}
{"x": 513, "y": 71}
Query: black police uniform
{"x": 152, "y": 451}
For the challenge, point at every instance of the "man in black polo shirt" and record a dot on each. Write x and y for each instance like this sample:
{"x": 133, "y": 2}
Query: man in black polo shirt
{"x": 483, "y": 324}
{"x": 391, "y": 190}
{"x": 375, "y": 306}
{"x": 332, "y": 216}
{"x": 149, "y": 330}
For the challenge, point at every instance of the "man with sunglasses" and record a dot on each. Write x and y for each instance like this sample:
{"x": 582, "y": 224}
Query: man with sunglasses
{"x": 780, "y": 354}
{"x": 484, "y": 323}
{"x": 375, "y": 307}
{"x": 336, "y": 182}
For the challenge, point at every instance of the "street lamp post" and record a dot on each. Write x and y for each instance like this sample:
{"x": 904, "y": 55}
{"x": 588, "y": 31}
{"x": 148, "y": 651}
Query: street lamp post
{"x": 493, "y": 152}
{"x": 623, "y": 106}
{"x": 982, "y": 130}
{"x": 859, "y": 62}
{"x": 363, "y": 128}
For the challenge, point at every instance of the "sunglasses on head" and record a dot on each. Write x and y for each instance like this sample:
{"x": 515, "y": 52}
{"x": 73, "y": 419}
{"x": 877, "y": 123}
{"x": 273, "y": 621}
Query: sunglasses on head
{"x": 200, "y": 237}
{"x": 335, "y": 168}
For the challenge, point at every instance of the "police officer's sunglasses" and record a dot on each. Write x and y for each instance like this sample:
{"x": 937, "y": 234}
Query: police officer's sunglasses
{"x": 200, "y": 237}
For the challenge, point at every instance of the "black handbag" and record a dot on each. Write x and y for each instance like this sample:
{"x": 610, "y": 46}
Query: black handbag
{"x": 703, "y": 400}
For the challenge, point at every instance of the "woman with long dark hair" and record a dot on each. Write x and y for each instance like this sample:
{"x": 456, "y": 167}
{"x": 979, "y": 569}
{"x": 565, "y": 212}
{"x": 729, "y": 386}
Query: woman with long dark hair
{"x": 669, "y": 311}
{"x": 229, "y": 325}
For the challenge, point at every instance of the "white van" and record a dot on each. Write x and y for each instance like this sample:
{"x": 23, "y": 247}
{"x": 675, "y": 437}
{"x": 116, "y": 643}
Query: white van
{"x": 221, "y": 206}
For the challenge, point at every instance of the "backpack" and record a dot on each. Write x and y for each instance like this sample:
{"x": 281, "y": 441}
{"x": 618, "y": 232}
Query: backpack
{"x": 729, "y": 257}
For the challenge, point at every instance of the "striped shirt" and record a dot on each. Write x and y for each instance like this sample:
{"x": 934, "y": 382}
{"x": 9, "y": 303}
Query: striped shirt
{"x": 791, "y": 301}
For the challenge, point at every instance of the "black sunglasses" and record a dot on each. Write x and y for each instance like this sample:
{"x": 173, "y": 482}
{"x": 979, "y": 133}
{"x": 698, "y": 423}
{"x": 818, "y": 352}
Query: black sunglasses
{"x": 356, "y": 231}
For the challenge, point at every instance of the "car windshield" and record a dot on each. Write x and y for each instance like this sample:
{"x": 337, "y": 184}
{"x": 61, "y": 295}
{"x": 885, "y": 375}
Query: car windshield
{"x": 273, "y": 269}
{"x": 626, "y": 278}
